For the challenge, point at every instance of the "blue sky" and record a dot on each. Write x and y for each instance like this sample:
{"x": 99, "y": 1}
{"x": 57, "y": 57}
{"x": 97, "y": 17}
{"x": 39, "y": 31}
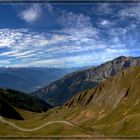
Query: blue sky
{"x": 67, "y": 35}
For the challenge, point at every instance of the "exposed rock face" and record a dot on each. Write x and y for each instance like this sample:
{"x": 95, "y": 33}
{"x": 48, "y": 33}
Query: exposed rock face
{"x": 59, "y": 91}
{"x": 114, "y": 98}
{"x": 110, "y": 92}
{"x": 112, "y": 108}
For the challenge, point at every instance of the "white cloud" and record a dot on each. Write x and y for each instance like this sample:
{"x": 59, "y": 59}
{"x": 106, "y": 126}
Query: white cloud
{"x": 72, "y": 20}
{"x": 31, "y": 14}
{"x": 54, "y": 40}
{"x": 6, "y": 42}
{"x": 78, "y": 43}
{"x": 66, "y": 47}
{"x": 105, "y": 22}
{"x": 131, "y": 11}
{"x": 49, "y": 7}
{"x": 103, "y": 8}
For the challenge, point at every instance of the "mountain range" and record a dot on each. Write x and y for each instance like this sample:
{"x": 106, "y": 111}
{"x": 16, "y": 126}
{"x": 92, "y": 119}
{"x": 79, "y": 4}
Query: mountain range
{"x": 110, "y": 109}
{"x": 63, "y": 89}
{"x": 29, "y": 79}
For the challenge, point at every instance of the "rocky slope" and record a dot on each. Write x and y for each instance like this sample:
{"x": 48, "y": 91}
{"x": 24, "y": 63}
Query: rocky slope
{"x": 112, "y": 108}
{"x": 61, "y": 90}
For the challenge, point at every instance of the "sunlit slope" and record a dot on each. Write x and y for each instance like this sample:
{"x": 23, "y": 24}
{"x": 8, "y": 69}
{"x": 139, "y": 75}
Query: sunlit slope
{"x": 112, "y": 108}
{"x": 38, "y": 125}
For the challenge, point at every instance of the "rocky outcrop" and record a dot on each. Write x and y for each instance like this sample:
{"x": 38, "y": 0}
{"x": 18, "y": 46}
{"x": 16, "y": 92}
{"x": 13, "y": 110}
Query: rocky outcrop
{"x": 61, "y": 90}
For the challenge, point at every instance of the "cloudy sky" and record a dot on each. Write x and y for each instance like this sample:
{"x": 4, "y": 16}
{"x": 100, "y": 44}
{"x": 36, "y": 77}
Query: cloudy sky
{"x": 67, "y": 35}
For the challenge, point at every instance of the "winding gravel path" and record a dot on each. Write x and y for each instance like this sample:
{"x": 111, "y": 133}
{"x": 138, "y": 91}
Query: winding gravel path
{"x": 37, "y": 128}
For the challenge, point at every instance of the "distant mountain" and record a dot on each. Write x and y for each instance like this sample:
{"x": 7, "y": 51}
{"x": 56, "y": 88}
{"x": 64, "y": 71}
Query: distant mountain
{"x": 9, "y": 99}
{"x": 30, "y": 79}
{"x": 61, "y": 90}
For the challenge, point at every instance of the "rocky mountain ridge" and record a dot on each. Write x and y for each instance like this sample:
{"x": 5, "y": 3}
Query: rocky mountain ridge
{"x": 61, "y": 90}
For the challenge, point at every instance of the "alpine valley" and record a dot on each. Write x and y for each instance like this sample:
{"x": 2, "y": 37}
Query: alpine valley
{"x": 102, "y": 101}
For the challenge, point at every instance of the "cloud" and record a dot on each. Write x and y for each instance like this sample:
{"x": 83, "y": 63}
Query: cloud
{"x": 131, "y": 11}
{"x": 49, "y": 7}
{"x": 103, "y": 9}
{"x": 31, "y": 14}
{"x": 72, "y": 20}
{"x": 105, "y": 22}
{"x": 66, "y": 48}
{"x": 78, "y": 42}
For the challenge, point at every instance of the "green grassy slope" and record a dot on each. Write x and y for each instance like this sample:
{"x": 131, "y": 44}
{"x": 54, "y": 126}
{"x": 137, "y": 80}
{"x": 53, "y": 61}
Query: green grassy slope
{"x": 110, "y": 109}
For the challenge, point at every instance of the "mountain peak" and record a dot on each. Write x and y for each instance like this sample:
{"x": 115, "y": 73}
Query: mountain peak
{"x": 121, "y": 58}
{"x": 61, "y": 90}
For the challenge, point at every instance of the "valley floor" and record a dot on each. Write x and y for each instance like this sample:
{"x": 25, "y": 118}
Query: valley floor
{"x": 41, "y": 125}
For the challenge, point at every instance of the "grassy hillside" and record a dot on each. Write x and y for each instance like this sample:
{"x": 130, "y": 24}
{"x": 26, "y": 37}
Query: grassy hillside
{"x": 113, "y": 107}
{"x": 110, "y": 109}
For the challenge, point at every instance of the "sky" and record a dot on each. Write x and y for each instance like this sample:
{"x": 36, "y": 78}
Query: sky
{"x": 67, "y": 35}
